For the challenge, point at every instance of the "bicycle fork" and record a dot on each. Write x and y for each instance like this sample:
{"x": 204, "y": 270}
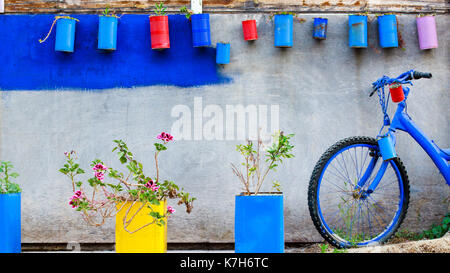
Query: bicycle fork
{"x": 373, "y": 185}
{"x": 368, "y": 173}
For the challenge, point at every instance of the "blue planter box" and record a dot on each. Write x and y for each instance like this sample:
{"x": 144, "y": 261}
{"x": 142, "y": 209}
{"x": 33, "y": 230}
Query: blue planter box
{"x": 387, "y": 31}
{"x": 284, "y": 30}
{"x": 10, "y": 229}
{"x": 201, "y": 33}
{"x": 107, "y": 32}
{"x": 259, "y": 224}
{"x": 65, "y": 35}
{"x": 357, "y": 35}
{"x": 223, "y": 53}
{"x": 320, "y": 28}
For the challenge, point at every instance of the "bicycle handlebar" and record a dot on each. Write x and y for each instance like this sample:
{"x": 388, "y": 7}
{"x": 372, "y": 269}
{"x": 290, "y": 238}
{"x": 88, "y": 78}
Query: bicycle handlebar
{"x": 418, "y": 75}
{"x": 407, "y": 76}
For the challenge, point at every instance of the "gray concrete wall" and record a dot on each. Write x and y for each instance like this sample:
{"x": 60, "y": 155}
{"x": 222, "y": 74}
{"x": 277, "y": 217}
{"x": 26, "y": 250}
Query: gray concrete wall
{"x": 320, "y": 87}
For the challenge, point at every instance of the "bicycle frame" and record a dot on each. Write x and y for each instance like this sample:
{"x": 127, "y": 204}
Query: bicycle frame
{"x": 401, "y": 121}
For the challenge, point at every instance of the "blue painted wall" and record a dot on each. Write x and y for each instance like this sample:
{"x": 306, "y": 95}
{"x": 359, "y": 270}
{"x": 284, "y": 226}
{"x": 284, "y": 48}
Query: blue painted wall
{"x": 29, "y": 65}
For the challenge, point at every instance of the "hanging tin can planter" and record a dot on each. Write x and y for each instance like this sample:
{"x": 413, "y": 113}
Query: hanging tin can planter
{"x": 397, "y": 93}
{"x": 107, "y": 32}
{"x": 426, "y": 29}
{"x": 65, "y": 33}
{"x": 250, "y": 30}
{"x": 10, "y": 225}
{"x": 357, "y": 31}
{"x": 284, "y": 30}
{"x": 387, "y": 31}
{"x": 259, "y": 224}
{"x": 320, "y": 28}
{"x": 142, "y": 239}
{"x": 223, "y": 53}
{"x": 159, "y": 31}
{"x": 201, "y": 33}
{"x": 387, "y": 147}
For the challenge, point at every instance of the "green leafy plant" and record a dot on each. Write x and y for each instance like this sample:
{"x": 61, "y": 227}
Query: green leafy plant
{"x": 276, "y": 186}
{"x": 160, "y": 9}
{"x": 106, "y": 12}
{"x": 325, "y": 248}
{"x": 106, "y": 199}
{"x": 255, "y": 173}
{"x": 109, "y": 13}
{"x": 437, "y": 230}
{"x": 434, "y": 232}
{"x": 6, "y": 174}
{"x": 187, "y": 12}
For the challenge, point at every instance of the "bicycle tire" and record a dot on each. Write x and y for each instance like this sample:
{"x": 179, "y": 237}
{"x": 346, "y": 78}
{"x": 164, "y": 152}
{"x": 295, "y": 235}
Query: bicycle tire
{"x": 314, "y": 183}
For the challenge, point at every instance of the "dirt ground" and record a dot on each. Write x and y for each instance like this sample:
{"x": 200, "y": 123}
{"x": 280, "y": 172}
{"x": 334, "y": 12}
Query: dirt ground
{"x": 441, "y": 245}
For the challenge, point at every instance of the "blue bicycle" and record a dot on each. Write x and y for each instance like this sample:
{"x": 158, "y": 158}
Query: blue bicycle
{"x": 359, "y": 190}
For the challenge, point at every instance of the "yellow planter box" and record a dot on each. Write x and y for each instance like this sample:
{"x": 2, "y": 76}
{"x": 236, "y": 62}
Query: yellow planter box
{"x": 150, "y": 239}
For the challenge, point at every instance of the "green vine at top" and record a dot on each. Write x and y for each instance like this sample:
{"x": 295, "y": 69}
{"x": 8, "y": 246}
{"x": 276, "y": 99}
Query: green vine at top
{"x": 108, "y": 13}
{"x": 187, "y": 12}
{"x": 160, "y": 9}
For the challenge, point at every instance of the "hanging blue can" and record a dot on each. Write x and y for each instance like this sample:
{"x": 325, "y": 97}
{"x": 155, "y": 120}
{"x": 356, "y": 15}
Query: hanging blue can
{"x": 259, "y": 224}
{"x": 223, "y": 53}
{"x": 284, "y": 30}
{"x": 10, "y": 225}
{"x": 65, "y": 35}
{"x": 387, "y": 31}
{"x": 387, "y": 148}
{"x": 320, "y": 28}
{"x": 201, "y": 33}
{"x": 357, "y": 36}
{"x": 107, "y": 32}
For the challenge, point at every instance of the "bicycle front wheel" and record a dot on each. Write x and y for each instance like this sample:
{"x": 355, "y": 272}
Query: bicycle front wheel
{"x": 344, "y": 214}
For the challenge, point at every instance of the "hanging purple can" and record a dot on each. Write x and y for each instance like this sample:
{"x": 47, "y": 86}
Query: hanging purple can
{"x": 426, "y": 29}
{"x": 320, "y": 28}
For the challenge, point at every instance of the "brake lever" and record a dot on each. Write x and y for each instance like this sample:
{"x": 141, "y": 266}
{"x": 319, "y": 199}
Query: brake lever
{"x": 373, "y": 91}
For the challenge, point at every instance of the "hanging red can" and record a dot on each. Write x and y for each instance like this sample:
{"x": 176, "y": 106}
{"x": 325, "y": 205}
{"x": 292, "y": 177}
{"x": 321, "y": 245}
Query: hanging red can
{"x": 397, "y": 94}
{"x": 250, "y": 31}
{"x": 159, "y": 31}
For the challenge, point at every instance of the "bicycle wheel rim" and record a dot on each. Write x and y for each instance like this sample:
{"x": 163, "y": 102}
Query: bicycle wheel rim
{"x": 396, "y": 215}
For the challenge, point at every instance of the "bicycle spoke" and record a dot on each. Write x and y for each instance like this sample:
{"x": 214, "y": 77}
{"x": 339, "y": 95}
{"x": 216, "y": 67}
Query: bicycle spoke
{"x": 336, "y": 186}
{"x": 342, "y": 177}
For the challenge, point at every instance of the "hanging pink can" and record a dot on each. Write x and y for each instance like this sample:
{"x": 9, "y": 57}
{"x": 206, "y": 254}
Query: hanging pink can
{"x": 426, "y": 29}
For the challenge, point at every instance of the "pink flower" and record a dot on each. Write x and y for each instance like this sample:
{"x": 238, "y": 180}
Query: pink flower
{"x": 74, "y": 200}
{"x": 100, "y": 176}
{"x": 165, "y": 137}
{"x": 100, "y": 167}
{"x": 152, "y": 185}
{"x": 170, "y": 210}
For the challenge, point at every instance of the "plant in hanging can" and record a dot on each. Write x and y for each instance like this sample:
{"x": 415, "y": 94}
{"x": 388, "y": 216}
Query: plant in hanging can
{"x": 159, "y": 28}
